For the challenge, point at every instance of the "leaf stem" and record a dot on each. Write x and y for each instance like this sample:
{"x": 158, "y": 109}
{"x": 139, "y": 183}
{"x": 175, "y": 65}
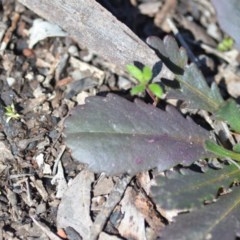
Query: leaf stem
{"x": 221, "y": 151}
{"x": 155, "y": 100}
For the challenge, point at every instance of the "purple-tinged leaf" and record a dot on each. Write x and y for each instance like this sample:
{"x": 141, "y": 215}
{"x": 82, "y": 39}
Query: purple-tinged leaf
{"x": 190, "y": 190}
{"x": 220, "y": 220}
{"x": 174, "y": 57}
{"x": 194, "y": 89}
{"x": 157, "y": 44}
{"x": 177, "y": 55}
{"x": 228, "y": 14}
{"x": 196, "y": 92}
{"x": 115, "y": 136}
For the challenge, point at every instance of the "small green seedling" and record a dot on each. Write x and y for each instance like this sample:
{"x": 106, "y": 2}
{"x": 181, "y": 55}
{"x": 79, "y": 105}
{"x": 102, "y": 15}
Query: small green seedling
{"x": 11, "y": 113}
{"x": 226, "y": 44}
{"x": 144, "y": 77}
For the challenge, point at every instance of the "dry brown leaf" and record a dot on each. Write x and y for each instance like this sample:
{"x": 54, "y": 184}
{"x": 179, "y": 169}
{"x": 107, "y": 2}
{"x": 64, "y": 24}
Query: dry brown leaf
{"x": 74, "y": 209}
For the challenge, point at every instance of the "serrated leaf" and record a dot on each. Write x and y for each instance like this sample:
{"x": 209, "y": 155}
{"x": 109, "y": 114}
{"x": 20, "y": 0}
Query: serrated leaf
{"x": 194, "y": 88}
{"x": 173, "y": 57}
{"x": 156, "y": 89}
{"x": 177, "y": 56}
{"x": 157, "y": 44}
{"x": 192, "y": 189}
{"x": 135, "y": 72}
{"x": 113, "y": 135}
{"x": 137, "y": 89}
{"x": 147, "y": 74}
{"x": 228, "y": 15}
{"x": 230, "y": 112}
{"x": 220, "y": 220}
{"x": 196, "y": 92}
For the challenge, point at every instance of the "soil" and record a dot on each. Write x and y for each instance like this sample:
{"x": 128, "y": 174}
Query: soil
{"x": 45, "y": 82}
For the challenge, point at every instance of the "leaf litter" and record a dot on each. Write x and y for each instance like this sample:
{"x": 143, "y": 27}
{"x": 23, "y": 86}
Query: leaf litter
{"x": 31, "y": 80}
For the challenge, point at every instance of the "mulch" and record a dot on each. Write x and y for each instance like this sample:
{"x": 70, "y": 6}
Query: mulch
{"x": 45, "y": 82}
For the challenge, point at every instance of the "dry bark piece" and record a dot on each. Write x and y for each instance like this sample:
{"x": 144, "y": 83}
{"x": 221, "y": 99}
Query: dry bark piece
{"x": 132, "y": 225}
{"x": 97, "y": 29}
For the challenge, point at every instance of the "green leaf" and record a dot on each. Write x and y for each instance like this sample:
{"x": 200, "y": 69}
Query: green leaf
{"x": 11, "y": 113}
{"x": 220, "y": 220}
{"x": 138, "y": 89}
{"x": 175, "y": 58}
{"x": 177, "y": 55}
{"x": 115, "y": 136}
{"x": 196, "y": 92}
{"x": 156, "y": 89}
{"x": 194, "y": 89}
{"x": 135, "y": 72}
{"x": 226, "y": 44}
{"x": 147, "y": 74}
{"x": 230, "y": 112}
{"x": 220, "y": 151}
{"x": 189, "y": 191}
{"x": 236, "y": 148}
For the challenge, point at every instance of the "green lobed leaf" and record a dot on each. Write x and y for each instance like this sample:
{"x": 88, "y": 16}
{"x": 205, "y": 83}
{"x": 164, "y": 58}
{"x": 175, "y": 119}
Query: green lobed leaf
{"x": 176, "y": 55}
{"x": 156, "y": 89}
{"x": 218, "y": 221}
{"x": 115, "y": 136}
{"x": 138, "y": 89}
{"x": 147, "y": 73}
{"x": 192, "y": 189}
{"x": 196, "y": 92}
{"x": 135, "y": 72}
{"x": 173, "y": 57}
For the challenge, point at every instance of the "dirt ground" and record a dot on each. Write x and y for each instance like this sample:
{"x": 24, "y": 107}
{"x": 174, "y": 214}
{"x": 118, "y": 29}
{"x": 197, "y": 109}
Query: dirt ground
{"x": 45, "y": 82}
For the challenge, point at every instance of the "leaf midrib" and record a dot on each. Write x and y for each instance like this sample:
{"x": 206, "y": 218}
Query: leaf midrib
{"x": 206, "y": 183}
{"x": 193, "y": 141}
{"x": 204, "y": 97}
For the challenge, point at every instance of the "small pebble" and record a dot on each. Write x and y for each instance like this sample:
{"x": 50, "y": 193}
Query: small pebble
{"x": 41, "y": 208}
{"x": 124, "y": 83}
{"x": 73, "y": 51}
{"x": 29, "y": 53}
{"x": 11, "y": 81}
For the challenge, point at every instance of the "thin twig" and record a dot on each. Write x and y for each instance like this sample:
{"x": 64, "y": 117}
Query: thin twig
{"x": 62, "y": 149}
{"x": 155, "y": 100}
{"x": 29, "y": 195}
{"x": 8, "y": 34}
